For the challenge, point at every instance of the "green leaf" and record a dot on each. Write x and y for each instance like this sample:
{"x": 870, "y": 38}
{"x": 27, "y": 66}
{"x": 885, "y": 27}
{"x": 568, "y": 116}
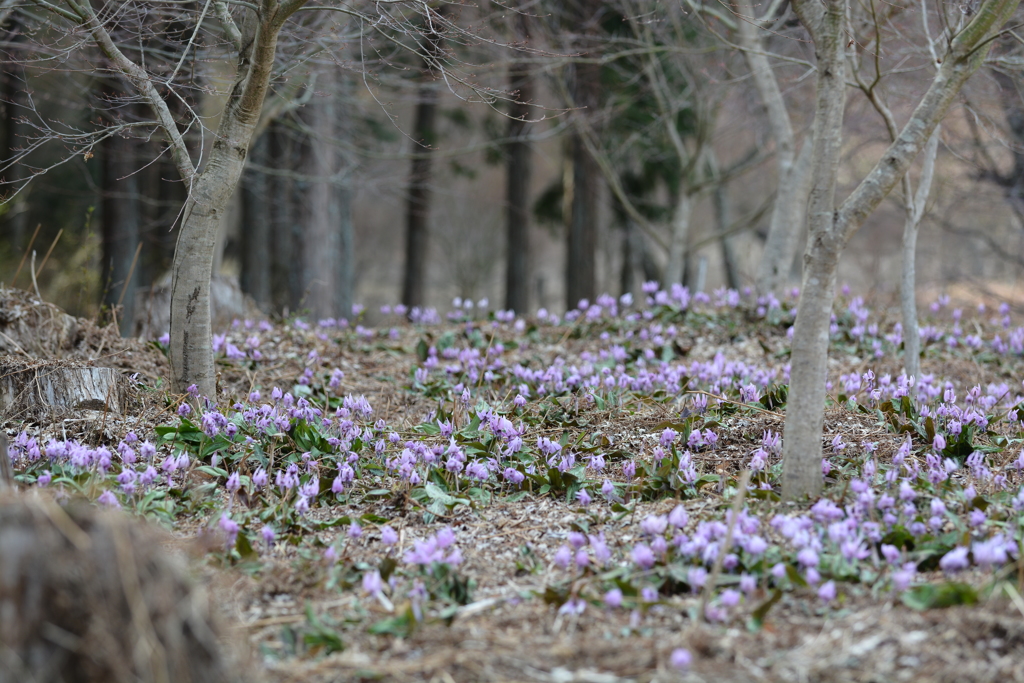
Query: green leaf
{"x": 761, "y": 611}
{"x": 939, "y": 596}
{"x": 244, "y": 547}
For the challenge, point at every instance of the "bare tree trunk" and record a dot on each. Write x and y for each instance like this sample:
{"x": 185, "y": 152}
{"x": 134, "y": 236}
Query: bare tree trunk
{"x": 802, "y": 437}
{"x": 321, "y": 243}
{"x": 256, "y": 227}
{"x": 121, "y": 219}
{"x": 12, "y": 98}
{"x": 729, "y": 261}
{"x": 677, "y": 250}
{"x": 908, "y": 282}
{"x": 517, "y": 178}
{"x": 581, "y": 245}
{"x": 793, "y": 171}
{"x": 281, "y": 185}
{"x": 830, "y": 228}
{"x": 417, "y": 208}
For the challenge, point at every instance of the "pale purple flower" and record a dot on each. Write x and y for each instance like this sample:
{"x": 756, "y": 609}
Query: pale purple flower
{"x": 955, "y": 560}
{"x": 730, "y": 597}
{"x": 372, "y": 583}
{"x": 583, "y": 497}
{"x": 613, "y": 598}
{"x": 827, "y": 591}
{"x": 268, "y": 535}
{"x": 654, "y": 525}
{"x": 563, "y": 556}
{"x": 108, "y": 499}
{"x": 230, "y": 529}
{"x": 643, "y": 557}
{"x": 678, "y": 517}
{"x": 354, "y": 530}
{"x": 680, "y": 659}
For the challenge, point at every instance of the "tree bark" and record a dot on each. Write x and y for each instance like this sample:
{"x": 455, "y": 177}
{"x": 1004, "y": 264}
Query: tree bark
{"x": 517, "y": 179}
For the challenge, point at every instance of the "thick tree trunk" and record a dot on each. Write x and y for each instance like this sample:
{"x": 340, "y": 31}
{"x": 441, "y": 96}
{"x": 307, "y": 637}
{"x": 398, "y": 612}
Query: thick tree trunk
{"x": 517, "y": 189}
{"x": 121, "y": 222}
{"x": 256, "y": 227}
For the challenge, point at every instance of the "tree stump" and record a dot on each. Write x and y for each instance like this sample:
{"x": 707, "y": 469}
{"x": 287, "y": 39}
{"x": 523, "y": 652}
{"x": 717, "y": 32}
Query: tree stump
{"x": 33, "y": 386}
{"x": 88, "y": 595}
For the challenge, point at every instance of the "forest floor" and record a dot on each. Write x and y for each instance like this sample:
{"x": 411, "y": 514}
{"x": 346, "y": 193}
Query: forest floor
{"x": 492, "y": 498}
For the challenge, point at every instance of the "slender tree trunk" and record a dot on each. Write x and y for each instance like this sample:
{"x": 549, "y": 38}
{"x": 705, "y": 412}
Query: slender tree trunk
{"x": 793, "y": 171}
{"x": 908, "y": 282}
{"x": 585, "y": 91}
{"x": 121, "y": 220}
{"x": 802, "y": 437}
{"x": 14, "y": 221}
{"x": 789, "y": 214}
{"x": 321, "y": 243}
{"x": 256, "y": 226}
{"x": 417, "y": 208}
{"x": 675, "y": 270}
{"x": 729, "y": 261}
{"x": 517, "y": 192}
{"x": 281, "y": 186}
{"x": 830, "y": 228}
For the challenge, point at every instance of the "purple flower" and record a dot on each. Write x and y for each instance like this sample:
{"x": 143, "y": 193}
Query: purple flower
{"x": 654, "y": 525}
{"x": 748, "y": 584}
{"x": 354, "y": 530}
{"x": 388, "y": 536}
{"x": 230, "y": 529}
{"x": 629, "y": 469}
{"x": 108, "y": 499}
{"x": 643, "y": 557}
{"x": 680, "y": 659}
{"x": 807, "y": 557}
{"x": 730, "y": 597}
{"x": 678, "y": 517}
{"x": 955, "y": 560}
{"x": 184, "y": 409}
{"x": 649, "y": 594}
{"x": 45, "y": 478}
{"x": 613, "y": 598}
{"x": 372, "y": 583}
{"x": 583, "y": 497}
{"x": 563, "y": 556}
{"x": 234, "y": 482}
{"x": 268, "y": 535}
{"x": 827, "y": 592}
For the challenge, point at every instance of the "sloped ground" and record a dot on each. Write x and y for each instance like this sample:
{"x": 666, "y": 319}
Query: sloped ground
{"x": 512, "y": 612}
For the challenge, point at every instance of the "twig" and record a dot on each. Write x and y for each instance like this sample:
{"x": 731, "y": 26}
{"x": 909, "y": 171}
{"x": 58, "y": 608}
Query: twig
{"x": 25, "y": 255}
{"x": 737, "y": 505}
{"x": 48, "y": 252}
{"x": 32, "y": 272}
